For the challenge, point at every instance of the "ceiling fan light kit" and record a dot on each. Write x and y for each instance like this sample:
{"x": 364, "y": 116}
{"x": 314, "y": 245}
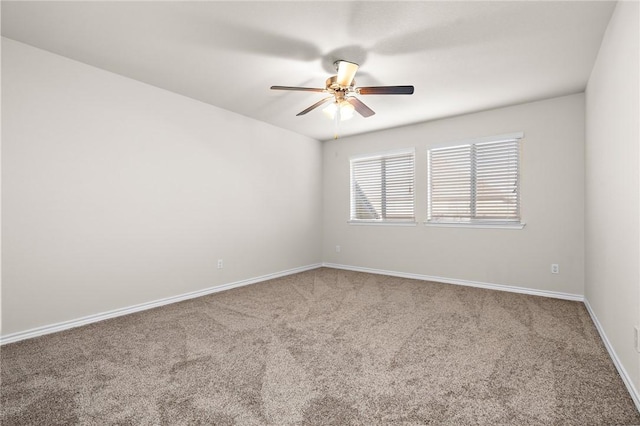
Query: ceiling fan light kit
{"x": 343, "y": 90}
{"x": 343, "y": 109}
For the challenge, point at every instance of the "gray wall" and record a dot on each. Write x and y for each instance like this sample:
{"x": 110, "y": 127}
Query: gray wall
{"x": 552, "y": 188}
{"x": 117, "y": 193}
{"x": 613, "y": 186}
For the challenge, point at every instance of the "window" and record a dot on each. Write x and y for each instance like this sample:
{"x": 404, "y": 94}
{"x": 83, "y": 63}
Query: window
{"x": 382, "y": 187}
{"x": 476, "y": 183}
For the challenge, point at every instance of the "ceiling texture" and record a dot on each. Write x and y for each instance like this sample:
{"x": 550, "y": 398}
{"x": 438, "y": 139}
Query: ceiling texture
{"x": 460, "y": 56}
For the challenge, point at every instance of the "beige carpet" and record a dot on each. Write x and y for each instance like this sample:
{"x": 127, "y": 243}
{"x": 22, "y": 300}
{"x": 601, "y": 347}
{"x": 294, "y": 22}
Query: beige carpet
{"x": 324, "y": 347}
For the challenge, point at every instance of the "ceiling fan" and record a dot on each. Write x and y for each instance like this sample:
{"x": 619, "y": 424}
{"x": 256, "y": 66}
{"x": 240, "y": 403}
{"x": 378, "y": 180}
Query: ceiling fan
{"x": 342, "y": 88}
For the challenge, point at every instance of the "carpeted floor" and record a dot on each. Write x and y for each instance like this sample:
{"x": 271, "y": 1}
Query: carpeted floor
{"x": 324, "y": 347}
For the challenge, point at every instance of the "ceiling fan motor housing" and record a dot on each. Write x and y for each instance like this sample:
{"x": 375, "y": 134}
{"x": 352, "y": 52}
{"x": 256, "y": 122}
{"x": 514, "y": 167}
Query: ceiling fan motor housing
{"x": 332, "y": 83}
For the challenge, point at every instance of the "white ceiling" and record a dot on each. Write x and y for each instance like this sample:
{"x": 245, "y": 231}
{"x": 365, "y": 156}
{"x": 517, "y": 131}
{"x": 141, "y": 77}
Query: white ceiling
{"x": 460, "y": 56}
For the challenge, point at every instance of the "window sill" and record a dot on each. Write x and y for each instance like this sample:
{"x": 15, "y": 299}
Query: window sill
{"x": 504, "y": 225}
{"x": 380, "y": 223}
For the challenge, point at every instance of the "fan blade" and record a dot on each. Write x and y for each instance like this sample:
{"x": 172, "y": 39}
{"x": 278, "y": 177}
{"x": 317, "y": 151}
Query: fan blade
{"x": 362, "y": 109}
{"x": 346, "y": 72}
{"x": 386, "y": 90}
{"x": 300, "y": 89}
{"x": 314, "y": 106}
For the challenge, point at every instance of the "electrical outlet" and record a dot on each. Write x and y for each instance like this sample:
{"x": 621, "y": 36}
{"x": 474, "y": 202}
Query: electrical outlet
{"x": 636, "y": 337}
{"x": 220, "y": 264}
{"x": 338, "y": 249}
{"x": 555, "y": 268}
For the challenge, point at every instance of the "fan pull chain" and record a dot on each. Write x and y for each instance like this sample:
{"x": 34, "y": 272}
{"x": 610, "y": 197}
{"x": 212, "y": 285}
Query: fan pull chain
{"x": 336, "y": 123}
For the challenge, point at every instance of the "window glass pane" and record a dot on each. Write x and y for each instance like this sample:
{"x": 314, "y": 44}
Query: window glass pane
{"x": 450, "y": 183}
{"x": 497, "y": 180}
{"x": 367, "y": 191}
{"x": 398, "y": 185}
{"x": 382, "y": 187}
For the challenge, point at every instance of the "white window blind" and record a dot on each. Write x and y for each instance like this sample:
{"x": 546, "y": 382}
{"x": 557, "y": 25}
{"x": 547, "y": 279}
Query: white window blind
{"x": 382, "y": 187}
{"x": 475, "y": 182}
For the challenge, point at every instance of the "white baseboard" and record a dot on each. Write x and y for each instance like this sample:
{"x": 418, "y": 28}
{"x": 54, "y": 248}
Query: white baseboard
{"x": 490, "y": 286}
{"x": 53, "y": 328}
{"x": 635, "y": 395}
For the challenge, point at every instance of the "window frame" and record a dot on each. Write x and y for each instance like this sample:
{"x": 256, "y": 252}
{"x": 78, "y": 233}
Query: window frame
{"x": 474, "y": 222}
{"x": 383, "y": 220}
